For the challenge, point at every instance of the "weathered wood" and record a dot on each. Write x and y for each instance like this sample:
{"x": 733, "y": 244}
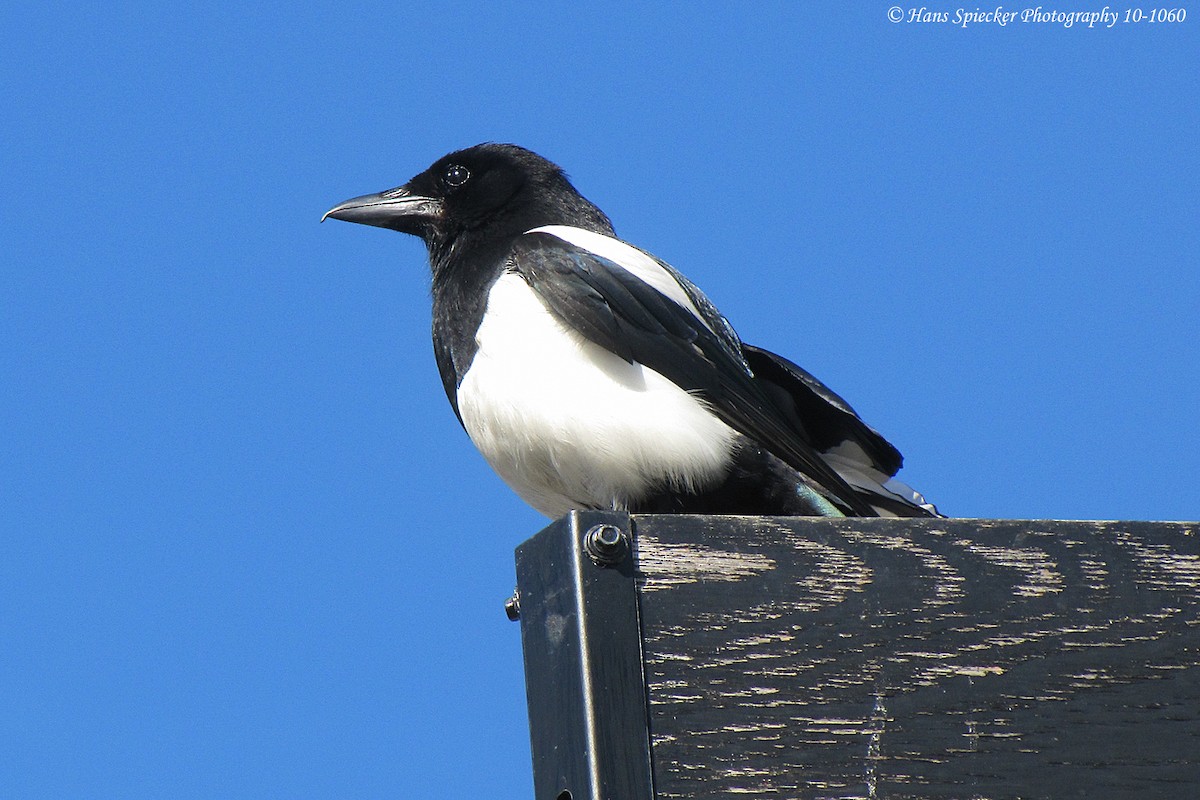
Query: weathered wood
{"x": 921, "y": 658}
{"x": 865, "y": 658}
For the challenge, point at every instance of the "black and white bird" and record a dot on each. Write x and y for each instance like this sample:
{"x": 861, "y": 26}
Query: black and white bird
{"x": 592, "y": 375}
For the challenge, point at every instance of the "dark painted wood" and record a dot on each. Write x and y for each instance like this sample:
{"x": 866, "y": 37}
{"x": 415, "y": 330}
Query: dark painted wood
{"x": 866, "y": 658}
{"x": 583, "y": 662}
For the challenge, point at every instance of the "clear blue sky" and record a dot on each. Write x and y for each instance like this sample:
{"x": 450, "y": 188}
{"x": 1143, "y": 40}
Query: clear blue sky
{"x": 245, "y": 549}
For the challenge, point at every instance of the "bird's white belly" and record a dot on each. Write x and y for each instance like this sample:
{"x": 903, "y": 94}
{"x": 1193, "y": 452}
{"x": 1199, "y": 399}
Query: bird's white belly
{"x": 567, "y": 424}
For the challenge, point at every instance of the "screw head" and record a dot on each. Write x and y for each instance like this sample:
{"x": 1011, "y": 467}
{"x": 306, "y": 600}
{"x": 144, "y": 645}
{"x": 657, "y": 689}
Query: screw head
{"x": 512, "y": 606}
{"x": 606, "y": 544}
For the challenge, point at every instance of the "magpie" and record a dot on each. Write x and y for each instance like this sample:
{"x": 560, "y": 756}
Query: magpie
{"x": 592, "y": 375}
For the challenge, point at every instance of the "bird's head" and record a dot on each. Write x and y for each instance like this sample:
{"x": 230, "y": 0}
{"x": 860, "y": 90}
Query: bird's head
{"x": 494, "y": 191}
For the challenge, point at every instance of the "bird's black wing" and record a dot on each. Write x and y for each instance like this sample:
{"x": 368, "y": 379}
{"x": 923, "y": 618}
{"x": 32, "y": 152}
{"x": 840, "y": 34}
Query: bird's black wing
{"x": 682, "y": 337}
{"x": 828, "y": 419}
{"x": 859, "y": 453}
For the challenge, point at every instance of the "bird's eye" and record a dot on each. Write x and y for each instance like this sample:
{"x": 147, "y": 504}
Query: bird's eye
{"x": 456, "y": 176}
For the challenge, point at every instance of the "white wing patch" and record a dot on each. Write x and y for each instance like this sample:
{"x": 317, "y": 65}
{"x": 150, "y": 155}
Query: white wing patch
{"x": 854, "y": 465}
{"x": 643, "y": 265}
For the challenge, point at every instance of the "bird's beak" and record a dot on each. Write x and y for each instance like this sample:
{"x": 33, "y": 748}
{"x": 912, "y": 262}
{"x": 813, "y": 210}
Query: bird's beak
{"x": 398, "y": 209}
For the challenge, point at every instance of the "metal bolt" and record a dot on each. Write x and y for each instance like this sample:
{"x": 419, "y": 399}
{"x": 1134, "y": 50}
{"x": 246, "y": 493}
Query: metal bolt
{"x": 606, "y": 544}
{"x": 512, "y": 606}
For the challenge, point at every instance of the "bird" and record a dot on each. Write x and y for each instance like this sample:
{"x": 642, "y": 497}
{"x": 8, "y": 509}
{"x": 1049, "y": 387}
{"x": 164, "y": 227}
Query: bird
{"x": 592, "y": 375}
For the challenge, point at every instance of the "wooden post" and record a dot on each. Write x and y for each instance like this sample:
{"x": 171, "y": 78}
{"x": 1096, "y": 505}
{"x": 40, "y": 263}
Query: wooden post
{"x": 862, "y": 658}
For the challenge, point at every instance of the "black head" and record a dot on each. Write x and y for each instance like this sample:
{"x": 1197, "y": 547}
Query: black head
{"x": 492, "y": 191}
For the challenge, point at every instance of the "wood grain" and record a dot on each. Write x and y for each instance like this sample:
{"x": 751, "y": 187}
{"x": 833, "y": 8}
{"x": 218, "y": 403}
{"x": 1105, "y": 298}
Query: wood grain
{"x": 921, "y": 658}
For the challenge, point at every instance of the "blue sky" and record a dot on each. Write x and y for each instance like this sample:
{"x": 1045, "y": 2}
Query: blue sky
{"x": 246, "y": 550}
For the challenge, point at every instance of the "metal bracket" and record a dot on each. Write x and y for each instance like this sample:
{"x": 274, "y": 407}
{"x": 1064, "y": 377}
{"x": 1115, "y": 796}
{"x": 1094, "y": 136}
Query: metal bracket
{"x": 581, "y": 635}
